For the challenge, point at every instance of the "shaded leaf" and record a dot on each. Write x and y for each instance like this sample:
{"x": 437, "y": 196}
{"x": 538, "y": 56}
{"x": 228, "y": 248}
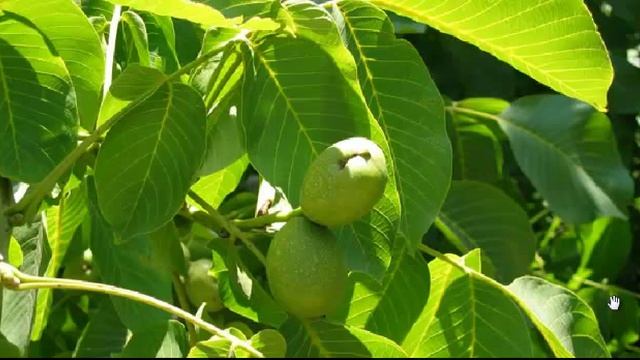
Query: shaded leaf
{"x": 18, "y": 307}
{"x": 477, "y": 215}
{"x": 75, "y": 41}
{"x": 103, "y": 336}
{"x": 61, "y": 222}
{"x": 38, "y": 118}
{"x": 569, "y": 153}
{"x": 131, "y": 265}
{"x": 603, "y": 240}
{"x": 240, "y": 291}
{"x": 392, "y": 307}
{"x": 318, "y": 338}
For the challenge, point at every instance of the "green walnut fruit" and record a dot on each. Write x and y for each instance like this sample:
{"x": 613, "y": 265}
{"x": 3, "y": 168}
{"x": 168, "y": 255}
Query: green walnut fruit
{"x": 202, "y": 287}
{"x": 305, "y": 269}
{"x": 344, "y": 182}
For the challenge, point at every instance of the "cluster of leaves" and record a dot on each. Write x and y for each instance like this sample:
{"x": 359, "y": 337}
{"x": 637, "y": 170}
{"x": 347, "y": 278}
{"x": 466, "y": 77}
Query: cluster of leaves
{"x": 136, "y": 136}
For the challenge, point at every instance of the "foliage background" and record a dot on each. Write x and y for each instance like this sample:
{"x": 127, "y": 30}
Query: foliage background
{"x": 493, "y": 199}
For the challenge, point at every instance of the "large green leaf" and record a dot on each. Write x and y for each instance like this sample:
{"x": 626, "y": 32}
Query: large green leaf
{"x": 477, "y": 215}
{"x": 318, "y": 338}
{"x": 467, "y": 316}
{"x": 182, "y": 9}
{"x": 240, "y": 291}
{"x": 18, "y": 307}
{"x": 408, "y": 106}
{"x": 269, "y": 343}
{"x": 391, "y": 308}
{"x": 566, "y": 321}
{"x": 246, "y": 9}
{"x": 569, "y": 153}
{"x": 554, "y": 42}
{"x": 37, "y": 113}
{"x": 297, "y": 104}
{"x": 76, "y": 42}
{"x": 104, "y": 334}
{"x": 162, "y": 42}
{"x": 134, "y": 265}
{"x": 142, "y": 183}
{"x": 61, "y": 222}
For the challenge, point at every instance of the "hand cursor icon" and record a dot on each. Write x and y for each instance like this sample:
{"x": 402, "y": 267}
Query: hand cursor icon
{"x": 614, "y": 303}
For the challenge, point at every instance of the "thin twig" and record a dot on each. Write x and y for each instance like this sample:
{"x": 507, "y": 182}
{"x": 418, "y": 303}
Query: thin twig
{"x": 262, "y": 221}
{"x": 220, "y": 221}
{"x": 16, "y": 280}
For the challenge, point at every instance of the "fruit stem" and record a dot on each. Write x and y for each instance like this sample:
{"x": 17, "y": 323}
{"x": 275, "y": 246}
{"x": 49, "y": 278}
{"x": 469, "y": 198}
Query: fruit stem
{"x": 13, "y": 279}
{"x": 184, "y": 304}
{"x": 265, "y": 220}
{"x": 222, "y": 222}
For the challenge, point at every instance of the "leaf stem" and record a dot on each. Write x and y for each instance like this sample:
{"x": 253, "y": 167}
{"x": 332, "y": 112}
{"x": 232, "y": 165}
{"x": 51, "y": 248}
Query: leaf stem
{"x": 16, "y": 280}
{"x": 222, "y": 222}
{"x": 265, "y": 220}
{"x": 30, "y": 203}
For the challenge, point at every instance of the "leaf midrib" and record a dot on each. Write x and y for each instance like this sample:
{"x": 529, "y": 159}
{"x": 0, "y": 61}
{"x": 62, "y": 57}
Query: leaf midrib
{"x": 152, "y": 155}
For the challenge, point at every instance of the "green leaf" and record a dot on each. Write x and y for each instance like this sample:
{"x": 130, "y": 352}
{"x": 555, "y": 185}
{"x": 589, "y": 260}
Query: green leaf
{"x": 566, "y": 321}
{"x": 569, "y": 153}
{"x": 477, "y": 215}
{"x": 477, "y": 151}
{"x": 318, "y": 338}
{"x": 216, "y": 347}
{"x": 240, "y": 291}
{"x": 215, "y": 187}
{"x": 554, "y": 42}
{"x": 468, "y": 316}
{"x": 603, "y": 240}
{"x": 138, "y": 33}
{"x": 103, "y": 336}
{"x": 368, "y": 241}
{"x": 181, "y": 9}
{"x": 132, "y": 85}
{"x": 391, "y": 308}
{"x": 270, "y": 343}
{"x": 296, "y": 105}
{"x": 162, "y": 43}
{"x": 75, "y": 41}
{"x": 245, "y": 9}
{"x": 408, "y": 106}
{"x": 144, "y": 192}
{"x": 133, "y": 265}
{"x": 224, "y": 143}
{"x": 38, "y": 118}
{"x": 166, "y": 341}
{"x": 61, "y": 222}
{"x": 623, "y": 324}
{"x": 18, "y": 307}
